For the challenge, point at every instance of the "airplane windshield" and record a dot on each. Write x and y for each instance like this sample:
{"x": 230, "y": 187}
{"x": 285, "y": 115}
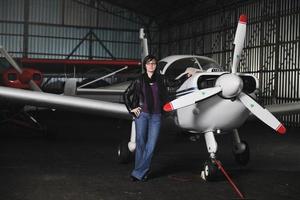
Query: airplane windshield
{"x": 161, "y": 65}
{"x": 207, "y": 64}
{"x": 179, "y": 66}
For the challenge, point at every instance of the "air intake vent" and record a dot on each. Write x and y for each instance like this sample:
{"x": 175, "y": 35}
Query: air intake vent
{"x": 214, "y": 70}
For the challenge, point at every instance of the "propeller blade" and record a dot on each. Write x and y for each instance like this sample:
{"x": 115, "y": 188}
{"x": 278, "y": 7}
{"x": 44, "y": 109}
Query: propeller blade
{"x": 263, "y": 114}
{"x": 191, "y": 98}
{"x": 239, "y": 42}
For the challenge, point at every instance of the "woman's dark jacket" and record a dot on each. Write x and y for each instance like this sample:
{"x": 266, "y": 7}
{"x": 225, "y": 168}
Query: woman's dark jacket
{"x": 132, "y": 93}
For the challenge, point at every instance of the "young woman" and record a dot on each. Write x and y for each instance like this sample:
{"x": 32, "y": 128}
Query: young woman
{"x": 144, "y": 99}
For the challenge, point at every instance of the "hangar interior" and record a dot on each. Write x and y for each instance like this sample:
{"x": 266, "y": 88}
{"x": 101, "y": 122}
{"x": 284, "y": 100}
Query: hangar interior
{"x": 87, "y": 39}
{"x": 37, "y": 31}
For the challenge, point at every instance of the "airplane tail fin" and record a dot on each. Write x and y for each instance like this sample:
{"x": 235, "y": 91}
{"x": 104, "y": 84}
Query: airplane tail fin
{"x": 144, "y": 44}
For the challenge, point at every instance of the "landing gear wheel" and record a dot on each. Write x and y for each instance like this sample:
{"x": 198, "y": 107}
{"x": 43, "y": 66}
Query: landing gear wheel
{"x": 123, "y": 152}
{"x": 244, "y": 157}
{"x": 209, "y": 171}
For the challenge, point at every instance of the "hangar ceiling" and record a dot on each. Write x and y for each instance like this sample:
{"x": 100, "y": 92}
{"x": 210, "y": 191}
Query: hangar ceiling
{"x": 167, "y": 12}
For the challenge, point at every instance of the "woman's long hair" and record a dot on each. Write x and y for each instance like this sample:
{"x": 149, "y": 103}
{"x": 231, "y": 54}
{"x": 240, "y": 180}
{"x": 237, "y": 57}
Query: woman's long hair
{"x": 148, "y": 59}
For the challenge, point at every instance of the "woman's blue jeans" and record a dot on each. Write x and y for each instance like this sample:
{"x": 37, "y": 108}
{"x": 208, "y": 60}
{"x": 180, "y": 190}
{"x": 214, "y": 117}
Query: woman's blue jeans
{"x": 147, "y": 131}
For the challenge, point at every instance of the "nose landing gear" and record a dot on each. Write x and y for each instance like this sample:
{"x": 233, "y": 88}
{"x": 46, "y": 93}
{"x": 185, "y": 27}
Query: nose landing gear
{"x": 211, "y": 169}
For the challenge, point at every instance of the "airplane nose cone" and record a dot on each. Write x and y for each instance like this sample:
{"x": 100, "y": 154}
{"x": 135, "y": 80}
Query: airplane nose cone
{"x": 231, "y": 85}
{"x": 25, "y": 76}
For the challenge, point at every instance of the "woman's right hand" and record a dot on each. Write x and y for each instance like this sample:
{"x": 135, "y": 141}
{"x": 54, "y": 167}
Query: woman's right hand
{"x": 136, "y": 111}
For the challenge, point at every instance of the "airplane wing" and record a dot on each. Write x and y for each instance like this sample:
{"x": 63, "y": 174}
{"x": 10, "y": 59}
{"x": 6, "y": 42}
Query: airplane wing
{"x": 111, "y": 93}
{"x": 287, "y": 108}
{"x": 40, "y": 99}
{"x": 111, "y": 89}
{"x": 99, "y": 91}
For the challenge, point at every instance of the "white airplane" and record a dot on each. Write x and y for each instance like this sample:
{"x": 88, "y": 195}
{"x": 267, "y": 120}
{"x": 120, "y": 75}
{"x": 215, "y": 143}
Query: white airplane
{"x": 210, "y": 102}
{"x": 213, "y": 101}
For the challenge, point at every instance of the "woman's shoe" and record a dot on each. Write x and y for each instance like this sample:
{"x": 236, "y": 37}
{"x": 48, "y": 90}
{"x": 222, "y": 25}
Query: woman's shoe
{"x": 134, "y": 179}
{"x": 145, "y": 178}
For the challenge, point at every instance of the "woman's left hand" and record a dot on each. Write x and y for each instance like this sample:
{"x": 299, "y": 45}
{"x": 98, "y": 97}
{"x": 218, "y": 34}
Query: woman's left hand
{"x": 136, "y": 111}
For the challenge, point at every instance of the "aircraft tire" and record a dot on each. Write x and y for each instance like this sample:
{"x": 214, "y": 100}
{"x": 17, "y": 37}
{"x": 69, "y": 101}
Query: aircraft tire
{"x": 123, "y": 153}
{"x": 209, "y": 171}
{"x": 244, "y": 157}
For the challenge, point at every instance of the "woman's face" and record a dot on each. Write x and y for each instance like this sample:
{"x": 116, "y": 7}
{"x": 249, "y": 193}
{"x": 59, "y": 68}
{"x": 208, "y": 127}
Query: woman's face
{"x": 151, "y": 65}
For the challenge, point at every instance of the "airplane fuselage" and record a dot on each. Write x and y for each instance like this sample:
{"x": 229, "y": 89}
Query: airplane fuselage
{"x": 212, "y": 114}
{"x": 215, "y": 113}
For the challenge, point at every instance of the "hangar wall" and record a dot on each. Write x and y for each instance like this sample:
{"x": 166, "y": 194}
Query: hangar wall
{"x": 77, "y": 29}
{"x": 271, "y": 48}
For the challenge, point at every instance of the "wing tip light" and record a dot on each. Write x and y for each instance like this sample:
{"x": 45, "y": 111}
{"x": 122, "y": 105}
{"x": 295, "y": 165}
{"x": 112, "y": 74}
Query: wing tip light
{"x": 281, "y": 129}
{"x": 168, "y": 107}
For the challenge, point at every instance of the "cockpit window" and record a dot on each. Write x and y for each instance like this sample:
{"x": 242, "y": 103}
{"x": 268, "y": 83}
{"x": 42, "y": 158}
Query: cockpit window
{"x": 207, "y": 64}
{"x": 161, "y": 65}
{"x": 179, "y": 66}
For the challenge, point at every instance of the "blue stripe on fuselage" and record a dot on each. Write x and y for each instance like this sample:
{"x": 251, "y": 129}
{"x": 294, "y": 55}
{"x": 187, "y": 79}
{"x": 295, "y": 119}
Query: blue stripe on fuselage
{"x": 185, "y": 91}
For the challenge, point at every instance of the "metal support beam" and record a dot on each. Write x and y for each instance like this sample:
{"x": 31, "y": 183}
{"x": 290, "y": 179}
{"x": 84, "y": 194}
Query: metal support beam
{"x": 63, "y": 6}
{"x": 108, "y": 11}
{"x": 91, "y": 45}
{"x": 78, "y": 45}
{"x": 104, "y": 47}
{"x": 277, "y": 40}
{"x": 261, "y": 56}
{"x": 26, "y": 28}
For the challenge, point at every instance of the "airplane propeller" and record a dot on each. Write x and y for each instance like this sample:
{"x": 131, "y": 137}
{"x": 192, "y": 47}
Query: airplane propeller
{"x": 239, "y": 39}
{"x": 230, "y": 86}
{"x": 263, "y": 114}
{"x": 191, "y": 98}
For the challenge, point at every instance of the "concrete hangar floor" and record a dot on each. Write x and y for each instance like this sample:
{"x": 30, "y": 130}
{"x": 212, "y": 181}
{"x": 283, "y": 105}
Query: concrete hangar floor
{"x": 77, "y": 161}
